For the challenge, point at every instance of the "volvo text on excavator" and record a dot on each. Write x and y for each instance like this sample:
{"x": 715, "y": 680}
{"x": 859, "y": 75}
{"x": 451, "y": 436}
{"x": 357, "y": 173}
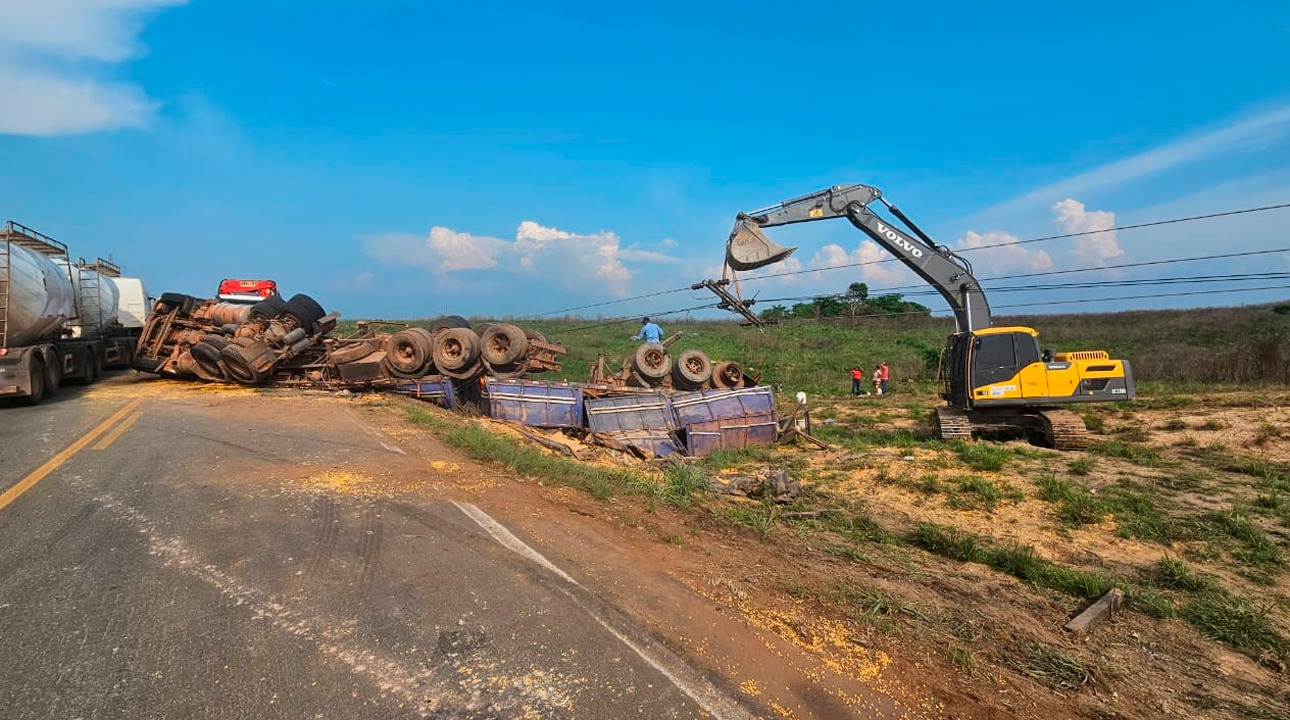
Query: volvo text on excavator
{"x": 992, "y": 378}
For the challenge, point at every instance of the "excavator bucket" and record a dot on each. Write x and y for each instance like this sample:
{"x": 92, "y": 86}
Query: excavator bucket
{"x": 748, "y": 247}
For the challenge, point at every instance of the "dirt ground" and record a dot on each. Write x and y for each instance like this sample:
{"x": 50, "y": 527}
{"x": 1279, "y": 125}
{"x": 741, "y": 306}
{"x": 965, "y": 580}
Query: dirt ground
{"x": 777, "y": 612}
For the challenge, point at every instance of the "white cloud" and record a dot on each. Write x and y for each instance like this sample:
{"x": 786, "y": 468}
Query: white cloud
{"x": 566, "y": 256}
{"x": 1006, "y": 258}
{"x": 569, "y": 260}
{"x": 463, "y": 251}
{"x": 648, "y": 256}
{"x": 874, "y": 265}
{"x": 1095, "y": 249}
{"x": 52, "y": 54}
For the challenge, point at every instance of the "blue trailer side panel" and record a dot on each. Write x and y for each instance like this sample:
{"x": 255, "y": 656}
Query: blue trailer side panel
{"x": 439, "y": 392}
{"x": 536, "y": 403}
{"x": 644, "y": 420}
{"x": 727, "y": 419}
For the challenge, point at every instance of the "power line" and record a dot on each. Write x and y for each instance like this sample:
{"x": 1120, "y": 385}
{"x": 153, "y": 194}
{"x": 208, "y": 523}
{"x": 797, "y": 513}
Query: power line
{"x": 1170, "y": 221}
{"x": 920, "y": 290}
{"x": 607, "y": 302}
{"x": 1154, "y": 223}
{"x": 1039, "y": 239}
{"x": 1121, "y": 266}
{"x": 632, "y": 318}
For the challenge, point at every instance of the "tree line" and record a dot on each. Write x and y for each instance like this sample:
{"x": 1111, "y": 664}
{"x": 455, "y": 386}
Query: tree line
{"x": 855, "y": 302}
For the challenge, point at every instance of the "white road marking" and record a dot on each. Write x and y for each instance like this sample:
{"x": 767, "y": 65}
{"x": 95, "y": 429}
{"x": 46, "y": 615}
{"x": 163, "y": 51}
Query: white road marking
{"x": 507, "y": 540}
{"x": 450, "y": 690}
{"x": 685, "y": 678}
{"x": 380, "y": 436}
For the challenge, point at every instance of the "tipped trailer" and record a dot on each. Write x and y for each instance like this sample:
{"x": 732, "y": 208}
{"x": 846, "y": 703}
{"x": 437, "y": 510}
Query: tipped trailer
{"x": 61, "y": 321}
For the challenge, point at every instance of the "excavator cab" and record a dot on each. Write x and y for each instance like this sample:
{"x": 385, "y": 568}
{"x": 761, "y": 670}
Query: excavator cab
{"x": 1002, "y": 366}
{"x": 998, "y": 380}
{"x": 991, "y": 363}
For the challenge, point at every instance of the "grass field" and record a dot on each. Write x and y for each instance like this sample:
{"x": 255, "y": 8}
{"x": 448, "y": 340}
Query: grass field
{"x": 1170, "y": 350}
{"x": 1182, "y": 501}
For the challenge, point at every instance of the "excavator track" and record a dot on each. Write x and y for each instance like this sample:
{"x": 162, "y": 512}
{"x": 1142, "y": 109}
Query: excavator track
{"x": 953, "y": 424}
{"x": 1064, "y": 430}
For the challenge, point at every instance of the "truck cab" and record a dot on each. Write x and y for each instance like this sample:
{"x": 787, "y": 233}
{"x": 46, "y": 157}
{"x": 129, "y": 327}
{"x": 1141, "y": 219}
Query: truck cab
{"x": 246, "y": 292}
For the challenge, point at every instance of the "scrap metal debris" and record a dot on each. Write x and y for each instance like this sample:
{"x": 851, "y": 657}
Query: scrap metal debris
{"x": 778, "y": 484}
{"x": 289, "y": 342}
{"x": 654, "y": 408}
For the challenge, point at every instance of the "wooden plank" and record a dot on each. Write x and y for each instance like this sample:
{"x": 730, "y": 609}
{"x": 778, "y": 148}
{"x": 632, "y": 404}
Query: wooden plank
{"x": 1101, "y": 610}
{"x": 544, "y": 442}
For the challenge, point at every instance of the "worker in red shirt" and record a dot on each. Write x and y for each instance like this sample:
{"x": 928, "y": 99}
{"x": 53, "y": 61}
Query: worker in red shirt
{"x": 857, "y": 377}
{"x": 886, "y": 375}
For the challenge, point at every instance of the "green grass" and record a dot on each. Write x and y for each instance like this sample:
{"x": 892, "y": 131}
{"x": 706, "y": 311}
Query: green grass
{"x": 1081, "y": 466}
{"x": 1052, "y": 666}
{"x": 681, "y": 483}
{"x": 858, "y": 527}
{"x": 983, "y": 457}
{"x": 1075, "y": 505}
{"x": 759, "y": 517}
{"x": 481, "y": 444}
{"x": 1237, "y": 622}
{"x": 1133, "y": 452}
{"x": 1137, "y": 516}
{"x": 1261, "y": 559}
{"x": 1021, "y": 562}
{"x": 972, "y": 491}
{"x": 1176, "y": 575}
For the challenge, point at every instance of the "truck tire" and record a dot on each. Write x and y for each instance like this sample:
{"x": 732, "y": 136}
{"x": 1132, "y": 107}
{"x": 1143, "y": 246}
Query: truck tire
{"x": 351, "y": 352}
{"x": 535, "y": 335}
{"x": 410, "y": 353}
{"x": 447, "y": 322}
{"x": 456, "y": 349}
{"x": 503, "y": 344}
{"x": 89, "y": 369}
{"x": 207, "y": 356}
{"x": 53, "y": 374}
{"x": 305, "y": 310}
{"x": 727, "y": 375}
{"x": 239, "y": 367}
{"x": 651, "y": 361}
{"x": 36, "y": 371}
{"x": 185, "y": 304}
{"x": 216, "y": 341}
{"x": 693, "y": 370}
{"x": 268, "y": 308}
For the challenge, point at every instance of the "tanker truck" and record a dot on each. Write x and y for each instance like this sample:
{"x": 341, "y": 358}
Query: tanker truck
{"x": 61, "y": 321}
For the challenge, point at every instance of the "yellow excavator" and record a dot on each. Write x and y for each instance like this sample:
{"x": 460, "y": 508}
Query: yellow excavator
{"x": 992, "y": 378}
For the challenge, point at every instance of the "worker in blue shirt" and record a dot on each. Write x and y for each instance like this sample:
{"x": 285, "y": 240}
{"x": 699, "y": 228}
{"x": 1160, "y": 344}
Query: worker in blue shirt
{"x": 651, "y": 332}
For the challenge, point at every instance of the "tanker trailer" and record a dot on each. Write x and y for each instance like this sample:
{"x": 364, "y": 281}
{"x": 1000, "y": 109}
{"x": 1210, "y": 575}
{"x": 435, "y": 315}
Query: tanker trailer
{"x": 43, "y": 339}
{"x": 100, "y": 295}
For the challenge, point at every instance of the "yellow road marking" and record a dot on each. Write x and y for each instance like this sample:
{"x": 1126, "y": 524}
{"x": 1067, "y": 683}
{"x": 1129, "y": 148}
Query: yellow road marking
{"x": 52, "y": 464}
{"x": 116, "y": 432}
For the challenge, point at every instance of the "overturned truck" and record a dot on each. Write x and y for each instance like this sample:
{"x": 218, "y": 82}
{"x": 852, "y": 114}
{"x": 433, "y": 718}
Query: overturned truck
{"x": 289, "y": 342}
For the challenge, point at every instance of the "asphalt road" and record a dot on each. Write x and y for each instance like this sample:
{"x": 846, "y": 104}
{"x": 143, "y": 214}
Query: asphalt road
{"x": 184, "y": 555}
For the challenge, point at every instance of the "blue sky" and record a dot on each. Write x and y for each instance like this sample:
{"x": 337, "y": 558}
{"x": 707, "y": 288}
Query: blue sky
{"x": 399, "y": 159}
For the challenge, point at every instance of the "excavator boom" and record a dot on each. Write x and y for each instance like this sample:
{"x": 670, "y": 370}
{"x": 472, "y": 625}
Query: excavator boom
{"x": 748, "y": 247}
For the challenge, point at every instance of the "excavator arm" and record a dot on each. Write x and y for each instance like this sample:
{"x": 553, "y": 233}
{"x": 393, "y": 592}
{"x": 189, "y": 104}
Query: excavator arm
{"x": 748, "y": 247}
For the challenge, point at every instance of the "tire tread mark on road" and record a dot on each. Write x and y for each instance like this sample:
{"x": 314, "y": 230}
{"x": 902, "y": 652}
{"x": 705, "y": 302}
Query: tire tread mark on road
{"x": 427, "y": 692}
{"x": 369, "y": 547}
{"x": 326, "y": 532}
